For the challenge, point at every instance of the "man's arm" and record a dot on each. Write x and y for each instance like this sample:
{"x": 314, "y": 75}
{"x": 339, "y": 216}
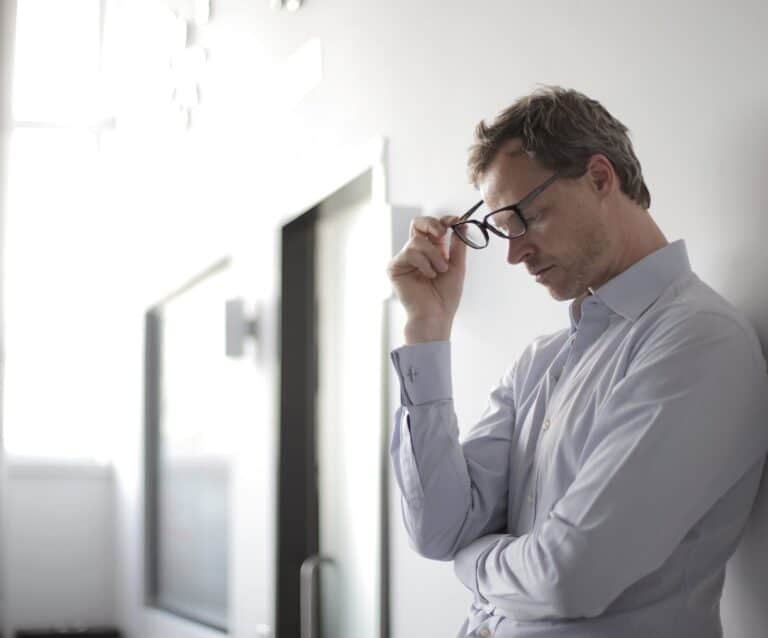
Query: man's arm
{"x": 451, "y": 493}
{"x": 685, "y": 425}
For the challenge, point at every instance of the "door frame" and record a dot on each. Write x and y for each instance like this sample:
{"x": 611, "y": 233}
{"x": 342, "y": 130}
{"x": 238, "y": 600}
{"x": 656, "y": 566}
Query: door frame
{"x": 303, "y": 203}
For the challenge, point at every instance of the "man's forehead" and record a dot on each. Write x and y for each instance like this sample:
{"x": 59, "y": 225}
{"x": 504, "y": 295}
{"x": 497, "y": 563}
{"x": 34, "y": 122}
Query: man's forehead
{"x": 512, "y": 155}
{"x": 510, "y": 175}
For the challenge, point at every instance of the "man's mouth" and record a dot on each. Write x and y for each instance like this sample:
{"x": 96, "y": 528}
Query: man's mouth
{"x": 540, "y": 275}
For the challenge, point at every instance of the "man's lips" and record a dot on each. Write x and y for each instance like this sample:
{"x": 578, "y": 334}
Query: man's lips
{"x": 538, "y": 272}
{"x": 542, "y": 273}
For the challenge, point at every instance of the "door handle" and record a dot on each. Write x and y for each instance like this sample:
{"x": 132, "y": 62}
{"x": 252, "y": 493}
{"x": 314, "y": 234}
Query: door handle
{"x": 240, "y": 326}
{"x": 307, "y": 575}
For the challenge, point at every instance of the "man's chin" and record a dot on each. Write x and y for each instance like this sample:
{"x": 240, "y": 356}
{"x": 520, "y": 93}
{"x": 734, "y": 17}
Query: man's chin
{"x": 558, "y": 294}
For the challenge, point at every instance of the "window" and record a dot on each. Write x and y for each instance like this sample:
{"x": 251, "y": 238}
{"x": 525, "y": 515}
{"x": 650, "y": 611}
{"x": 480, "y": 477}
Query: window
{"x": 57, "y": 400}
{"x": 188, "y": 453}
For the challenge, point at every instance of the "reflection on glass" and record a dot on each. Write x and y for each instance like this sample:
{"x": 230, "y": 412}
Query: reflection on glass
{"x": 349, "y": 430}
{"x": 190, "y": 524}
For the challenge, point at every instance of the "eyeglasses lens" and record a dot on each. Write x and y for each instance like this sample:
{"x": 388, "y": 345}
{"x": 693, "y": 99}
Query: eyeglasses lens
{"x": 508, "y": 222}
{"x": 472, "y": 235}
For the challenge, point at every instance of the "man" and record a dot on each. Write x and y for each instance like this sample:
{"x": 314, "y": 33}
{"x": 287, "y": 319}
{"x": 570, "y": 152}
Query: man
{"x": 612, "y": 474}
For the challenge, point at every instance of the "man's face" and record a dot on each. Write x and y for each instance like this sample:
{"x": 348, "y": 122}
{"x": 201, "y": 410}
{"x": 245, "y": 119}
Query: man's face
{"x": 570, "y": 234}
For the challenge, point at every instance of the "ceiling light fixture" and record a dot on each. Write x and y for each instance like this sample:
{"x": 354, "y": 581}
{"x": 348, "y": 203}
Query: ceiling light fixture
{"x": 290, "y": 5}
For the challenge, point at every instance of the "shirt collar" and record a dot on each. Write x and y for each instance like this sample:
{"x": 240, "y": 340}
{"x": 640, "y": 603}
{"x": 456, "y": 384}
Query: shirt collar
{"x": 631, "y": 292}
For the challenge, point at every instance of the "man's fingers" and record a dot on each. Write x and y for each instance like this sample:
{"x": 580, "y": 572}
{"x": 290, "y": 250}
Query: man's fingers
{"x": 431, "y": 252}
{"x": 458, "y": 254}
{"x": 447, "y": 220}
{"x": 420, "y": 254}
{"x": 428, "y": 226}
{"x": 429, "y": 235}
{"x": 420, "y": 261}
{"x": 458, "y": 249}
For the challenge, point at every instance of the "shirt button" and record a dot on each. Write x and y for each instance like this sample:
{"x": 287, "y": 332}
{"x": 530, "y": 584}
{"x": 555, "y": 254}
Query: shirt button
{"x": 484, "y": 632}
{"x": 546, "y": 424}
{"x": 530, "y": 497}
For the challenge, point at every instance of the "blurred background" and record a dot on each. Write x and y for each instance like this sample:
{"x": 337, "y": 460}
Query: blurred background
{"x": 198, "y": 200}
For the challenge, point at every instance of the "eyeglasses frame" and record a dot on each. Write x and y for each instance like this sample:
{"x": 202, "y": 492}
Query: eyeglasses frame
{"x": 518, "y": 209}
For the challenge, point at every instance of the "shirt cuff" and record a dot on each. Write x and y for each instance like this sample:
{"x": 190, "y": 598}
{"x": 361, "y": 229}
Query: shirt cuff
{"x": 424, "y": 370}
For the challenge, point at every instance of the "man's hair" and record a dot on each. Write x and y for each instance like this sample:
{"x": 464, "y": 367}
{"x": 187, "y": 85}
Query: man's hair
{"x": 561, "y": 129}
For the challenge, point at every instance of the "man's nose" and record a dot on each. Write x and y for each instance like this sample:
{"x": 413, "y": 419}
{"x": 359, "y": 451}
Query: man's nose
{"x": 518, "y": 249}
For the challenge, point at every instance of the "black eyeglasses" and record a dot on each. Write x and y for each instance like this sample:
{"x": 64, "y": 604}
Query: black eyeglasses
{"x": 507, "y": 222}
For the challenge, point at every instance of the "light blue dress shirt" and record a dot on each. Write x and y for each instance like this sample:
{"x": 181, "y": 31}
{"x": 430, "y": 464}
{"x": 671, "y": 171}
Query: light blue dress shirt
{"x": 612, "y": 473}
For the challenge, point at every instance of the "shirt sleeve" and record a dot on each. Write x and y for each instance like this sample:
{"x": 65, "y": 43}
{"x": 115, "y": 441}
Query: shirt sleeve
{"x": 674, "y": 435}
{"x": 451, "y": 493}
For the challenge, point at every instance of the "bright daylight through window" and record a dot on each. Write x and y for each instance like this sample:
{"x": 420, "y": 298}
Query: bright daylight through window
{"x": 55, "y": 403}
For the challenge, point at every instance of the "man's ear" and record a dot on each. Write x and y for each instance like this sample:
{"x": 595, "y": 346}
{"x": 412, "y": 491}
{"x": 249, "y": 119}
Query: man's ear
{"x": 602, "y": 176}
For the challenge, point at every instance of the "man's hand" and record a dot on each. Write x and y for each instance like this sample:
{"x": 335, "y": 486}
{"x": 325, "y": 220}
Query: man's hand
{"x": 428, "y": 279}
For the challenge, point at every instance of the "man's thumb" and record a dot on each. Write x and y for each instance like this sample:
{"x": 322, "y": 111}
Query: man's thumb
{"x": 458, "y": 251}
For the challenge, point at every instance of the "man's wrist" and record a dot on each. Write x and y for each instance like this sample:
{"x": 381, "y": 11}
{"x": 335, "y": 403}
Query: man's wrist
{"x": 420, "y": 331}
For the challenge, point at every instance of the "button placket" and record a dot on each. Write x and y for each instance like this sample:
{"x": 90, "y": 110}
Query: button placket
{"x": 543, "y": 447}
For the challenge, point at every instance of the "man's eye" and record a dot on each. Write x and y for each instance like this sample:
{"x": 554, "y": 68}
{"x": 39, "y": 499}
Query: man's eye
{"x": 535, "y": 217}
{"x": 531, "y": 220}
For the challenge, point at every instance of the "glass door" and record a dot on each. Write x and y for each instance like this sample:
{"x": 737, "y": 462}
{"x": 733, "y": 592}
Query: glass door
{"x": 350, "y": 416}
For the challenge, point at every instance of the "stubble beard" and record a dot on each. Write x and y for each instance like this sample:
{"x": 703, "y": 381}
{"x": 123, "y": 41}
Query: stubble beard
{"x": 594, "y": 244}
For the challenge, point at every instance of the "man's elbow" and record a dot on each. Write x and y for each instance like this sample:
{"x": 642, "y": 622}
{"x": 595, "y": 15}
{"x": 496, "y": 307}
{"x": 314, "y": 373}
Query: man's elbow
{"x": 432, "y": 553}
{"x": 437, "y": 546}
{"x": 434, "y": 533}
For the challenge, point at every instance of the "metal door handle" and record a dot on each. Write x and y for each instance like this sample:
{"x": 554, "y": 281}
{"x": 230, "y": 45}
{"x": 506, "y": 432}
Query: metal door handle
{"x": 307, "y": 590}
{"x": 240, "y": 326}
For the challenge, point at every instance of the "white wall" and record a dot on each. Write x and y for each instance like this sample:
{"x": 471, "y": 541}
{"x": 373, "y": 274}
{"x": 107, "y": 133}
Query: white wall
{"x": 685, "y": 76}
{"x": 60, "y": 545}
{"x": 7, "y": 21}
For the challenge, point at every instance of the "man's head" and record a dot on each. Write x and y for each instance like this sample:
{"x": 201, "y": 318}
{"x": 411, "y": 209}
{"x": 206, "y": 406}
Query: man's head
{"x": 590, "y": 223}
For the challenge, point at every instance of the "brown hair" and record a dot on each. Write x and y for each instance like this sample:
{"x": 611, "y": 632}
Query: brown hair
{"x": 561, "y": 129}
